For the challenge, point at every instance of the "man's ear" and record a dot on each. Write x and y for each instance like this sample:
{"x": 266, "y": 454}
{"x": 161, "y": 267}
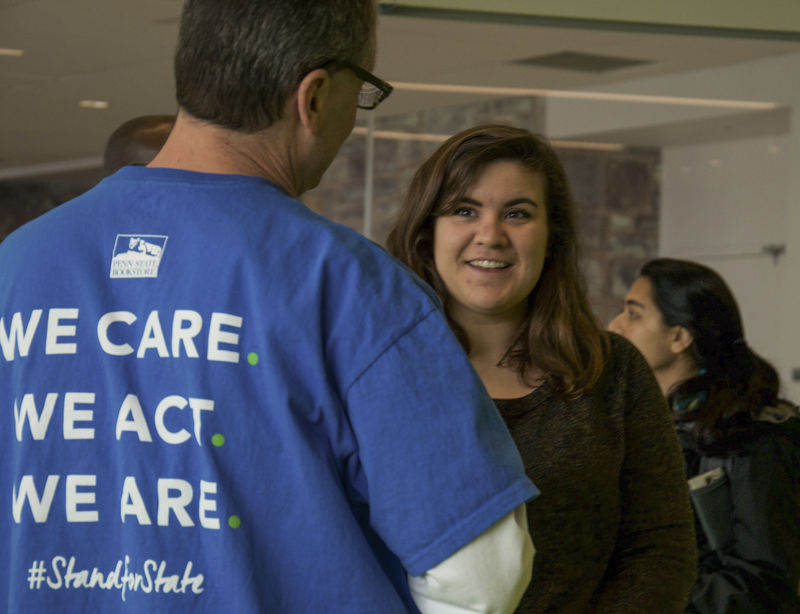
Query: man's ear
{"x": 682, "y": 340}
{"x": 312, "y": 98}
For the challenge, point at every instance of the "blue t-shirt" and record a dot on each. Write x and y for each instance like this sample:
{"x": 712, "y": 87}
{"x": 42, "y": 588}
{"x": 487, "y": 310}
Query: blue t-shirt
{"x": 216, "y": 400}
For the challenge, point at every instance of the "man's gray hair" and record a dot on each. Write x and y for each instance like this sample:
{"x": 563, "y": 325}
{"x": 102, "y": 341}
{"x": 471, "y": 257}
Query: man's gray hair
{"x": 238, "y": 61}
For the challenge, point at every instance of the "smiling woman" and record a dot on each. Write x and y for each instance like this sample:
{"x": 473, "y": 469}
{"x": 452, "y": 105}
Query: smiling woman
{"x": 488, "y": 222}
{"x": 490, "y": 248}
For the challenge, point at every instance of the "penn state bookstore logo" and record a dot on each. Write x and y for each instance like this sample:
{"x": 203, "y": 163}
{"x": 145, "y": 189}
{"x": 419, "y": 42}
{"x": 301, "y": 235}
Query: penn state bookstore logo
{"x": 137, "y": 255}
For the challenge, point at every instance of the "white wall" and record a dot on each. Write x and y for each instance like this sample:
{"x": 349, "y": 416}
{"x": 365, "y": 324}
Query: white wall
{"x": 721, "y": 204}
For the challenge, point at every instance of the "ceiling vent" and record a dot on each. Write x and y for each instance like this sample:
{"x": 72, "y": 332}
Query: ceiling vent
{"x": 583, "y": 62}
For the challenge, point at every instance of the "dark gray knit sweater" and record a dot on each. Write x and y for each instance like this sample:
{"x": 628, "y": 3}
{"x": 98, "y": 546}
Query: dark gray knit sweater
{"x": 613, "y": 528}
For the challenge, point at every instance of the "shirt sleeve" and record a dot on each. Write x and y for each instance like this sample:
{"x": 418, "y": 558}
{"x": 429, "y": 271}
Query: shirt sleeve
{"x": 436, "y": 463}
{"x": 488, "y": 575}
{"x": 654, "y": 564}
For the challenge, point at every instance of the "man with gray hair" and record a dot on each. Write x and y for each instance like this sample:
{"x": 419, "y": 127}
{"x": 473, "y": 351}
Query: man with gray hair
{"x": 218, "y": 401}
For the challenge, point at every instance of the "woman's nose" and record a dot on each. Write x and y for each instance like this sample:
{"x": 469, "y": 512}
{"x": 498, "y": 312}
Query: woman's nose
{"x": 491, "y": 232}
{"x": 613, "y": 326}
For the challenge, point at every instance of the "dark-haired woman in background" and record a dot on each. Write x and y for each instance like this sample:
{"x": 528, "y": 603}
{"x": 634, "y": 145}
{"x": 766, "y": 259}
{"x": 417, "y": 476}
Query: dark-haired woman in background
{"x": 488, "y": 222}
{"x": 732, "y": 425}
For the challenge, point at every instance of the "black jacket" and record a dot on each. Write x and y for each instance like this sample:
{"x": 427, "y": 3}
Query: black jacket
{"x": 758, "y": 571}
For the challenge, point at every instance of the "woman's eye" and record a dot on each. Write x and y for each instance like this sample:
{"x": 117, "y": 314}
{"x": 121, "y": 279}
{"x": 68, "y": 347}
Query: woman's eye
{"x": 519, "y": 214}
{"x": 632, "y": 315}
{"x": 463, "y": 211}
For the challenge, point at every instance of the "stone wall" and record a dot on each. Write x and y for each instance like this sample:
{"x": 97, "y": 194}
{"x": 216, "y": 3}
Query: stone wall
{"x": 617, "y": 197}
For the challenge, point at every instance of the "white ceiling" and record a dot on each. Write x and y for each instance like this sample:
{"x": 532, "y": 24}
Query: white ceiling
{"x": 121, "y": 51}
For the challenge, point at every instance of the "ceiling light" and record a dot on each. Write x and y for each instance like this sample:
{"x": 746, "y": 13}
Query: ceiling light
{"x": 441, "y": 138}
{"x": 93, "y": 104}
{"x": 402, "y": 136}
{"x": 588, "y": 145}
{"x": 11, "y": 52}
{"x": 579, "y": 95}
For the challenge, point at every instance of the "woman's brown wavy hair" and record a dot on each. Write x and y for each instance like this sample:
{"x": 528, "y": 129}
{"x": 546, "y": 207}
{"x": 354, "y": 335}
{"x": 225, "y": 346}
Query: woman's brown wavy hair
{"x": 560, "y": 336}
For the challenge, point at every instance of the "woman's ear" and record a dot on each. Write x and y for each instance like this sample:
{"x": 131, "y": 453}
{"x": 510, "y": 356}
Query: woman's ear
{"x": 681, "y": 341}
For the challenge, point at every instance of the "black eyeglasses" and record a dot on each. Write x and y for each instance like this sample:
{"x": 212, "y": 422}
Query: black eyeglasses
{"x": 374, "y": 90}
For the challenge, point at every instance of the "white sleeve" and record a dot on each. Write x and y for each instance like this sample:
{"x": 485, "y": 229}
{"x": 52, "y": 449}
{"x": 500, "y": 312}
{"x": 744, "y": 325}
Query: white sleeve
{"x": 489, "y": 574}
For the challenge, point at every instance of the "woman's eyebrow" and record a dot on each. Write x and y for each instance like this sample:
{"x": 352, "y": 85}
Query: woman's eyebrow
{"x": 511, "y": 203}
{"x": 521, "y": 201}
